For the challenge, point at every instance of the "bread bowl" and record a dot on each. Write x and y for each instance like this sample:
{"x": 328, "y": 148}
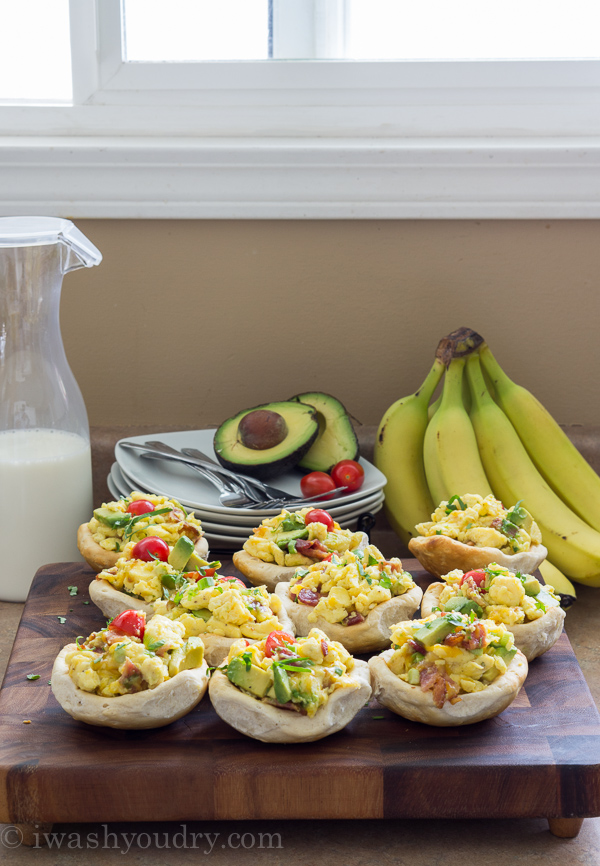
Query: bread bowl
{"x": 102, "y": 540}
{"x": 354, "y": 598}
{"x": 323, "y": 698}
{"x": 143, "y": 680}
{"x": 470, "y": 532}
{"x": 531, "y": 612}
{"x": 292, "y": 539}
{"x": 473, "y": 672}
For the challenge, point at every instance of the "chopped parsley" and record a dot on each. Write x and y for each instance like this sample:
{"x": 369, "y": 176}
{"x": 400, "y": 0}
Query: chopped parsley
{"x": 62, "y": 619}
{"x": 33, "y": 676}
{"x": 72, "y": 590}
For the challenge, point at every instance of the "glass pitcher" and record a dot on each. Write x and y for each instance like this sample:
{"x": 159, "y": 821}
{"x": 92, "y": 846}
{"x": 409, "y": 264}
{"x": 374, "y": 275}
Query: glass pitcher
{"x": 45, "y": 460}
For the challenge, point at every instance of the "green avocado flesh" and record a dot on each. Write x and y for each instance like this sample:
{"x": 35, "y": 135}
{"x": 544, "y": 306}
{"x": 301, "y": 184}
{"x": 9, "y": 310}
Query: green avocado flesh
{"x": 183, "y": 549}
{"x": 302, "y": 429}
{"x": 253, "y": 679}
{"x": 336, "y": 439}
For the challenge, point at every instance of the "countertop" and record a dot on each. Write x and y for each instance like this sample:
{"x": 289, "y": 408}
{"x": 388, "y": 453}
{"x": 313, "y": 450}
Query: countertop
{"x": 335, "y": 843}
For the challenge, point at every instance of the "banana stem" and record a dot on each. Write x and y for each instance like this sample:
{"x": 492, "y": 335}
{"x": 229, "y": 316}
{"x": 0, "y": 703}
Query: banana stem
{"x": 458, "y": 344}
{"x": 425, "y": 392}
{"x": 491, "y": 366}
{"x": 479, "y": 390}
{"x": 452, "y": 393}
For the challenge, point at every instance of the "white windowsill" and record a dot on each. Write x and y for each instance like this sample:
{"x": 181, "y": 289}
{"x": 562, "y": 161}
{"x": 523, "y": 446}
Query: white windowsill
{"x": 300, "y": 178}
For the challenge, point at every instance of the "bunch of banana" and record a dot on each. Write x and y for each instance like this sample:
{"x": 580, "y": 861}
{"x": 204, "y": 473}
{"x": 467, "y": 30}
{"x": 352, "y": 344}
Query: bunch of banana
{"x": 485, "y": 434}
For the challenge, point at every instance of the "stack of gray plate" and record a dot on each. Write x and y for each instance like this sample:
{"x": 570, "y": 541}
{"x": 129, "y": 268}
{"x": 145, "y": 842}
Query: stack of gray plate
{"x": 225, "y": 527}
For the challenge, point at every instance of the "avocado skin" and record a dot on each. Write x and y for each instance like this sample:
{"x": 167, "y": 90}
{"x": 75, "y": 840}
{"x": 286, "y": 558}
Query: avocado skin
{"x": 275, "y": 461}
{"x": 336, "y": 440}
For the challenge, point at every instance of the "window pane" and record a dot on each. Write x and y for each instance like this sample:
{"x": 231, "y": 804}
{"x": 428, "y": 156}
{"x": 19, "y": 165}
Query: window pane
{"x": 35, "y": 51}
{"x": 472, "y": 29}
{"x": 187, "y": 30}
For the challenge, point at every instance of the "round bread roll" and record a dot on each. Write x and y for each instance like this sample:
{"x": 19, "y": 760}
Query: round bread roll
{"x": 532, "y": 638}
{"x": 369, "y": 636}
{"x": 411, "y": 702}
{"x": 269, "y": 574}
{"x": 152, "y": 708}
{"x": 100, "y": 559}
{"x": 112, "y": 602}
{"x": 271, "y": 724}
{"x": 440, "y": 554}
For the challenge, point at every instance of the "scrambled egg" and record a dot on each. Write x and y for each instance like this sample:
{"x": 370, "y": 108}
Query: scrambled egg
{"x": 467, "y": 657}
{"x": 208, "y": 606}
{"x": 170, "y": 524}
{"x": 111, "y": 664}
{"x": 503, "y": 596}
{"x": 483, "y": 523}
{"x": 145, "y": 580}
{"x": 263, "y": 544}
{"x": 349, "y": 585}
{"x": 322, "y": 668}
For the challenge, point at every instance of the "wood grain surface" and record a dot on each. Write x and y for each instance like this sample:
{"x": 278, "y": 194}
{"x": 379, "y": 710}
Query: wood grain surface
{"x": 539, "y": 758}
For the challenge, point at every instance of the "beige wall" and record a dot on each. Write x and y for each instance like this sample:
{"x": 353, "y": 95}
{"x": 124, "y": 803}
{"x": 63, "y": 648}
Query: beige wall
{"x": 187, "y": 322}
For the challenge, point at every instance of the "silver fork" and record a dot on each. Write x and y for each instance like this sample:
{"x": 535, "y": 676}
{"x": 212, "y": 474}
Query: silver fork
{"x": 269, "y": 491}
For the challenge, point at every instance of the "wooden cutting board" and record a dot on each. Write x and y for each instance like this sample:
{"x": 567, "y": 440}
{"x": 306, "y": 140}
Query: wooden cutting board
{"x": 539, "y": 758}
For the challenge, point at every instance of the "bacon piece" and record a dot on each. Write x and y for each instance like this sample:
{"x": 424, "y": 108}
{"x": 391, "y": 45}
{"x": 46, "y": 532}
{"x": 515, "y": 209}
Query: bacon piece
{"x": 307, "y": 596}
{"x": 442, "y": 686}
{"x": 415, "y": 646}
{"x": 131, "y": 677}
{"x": 312, "y": 549}
{"x": 324, "y": 648}
{"x": 455, "y": 638}
{"x": 477, "y": 637}
{"x": 354, "y": 619}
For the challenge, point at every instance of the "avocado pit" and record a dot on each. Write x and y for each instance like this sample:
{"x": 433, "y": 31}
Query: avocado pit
{"x": 262, "y": 429}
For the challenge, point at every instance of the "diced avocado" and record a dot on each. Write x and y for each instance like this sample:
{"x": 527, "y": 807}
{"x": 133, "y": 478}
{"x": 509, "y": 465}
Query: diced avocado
{"x": 203, "y": 613}
{"x": 336, "y": 439}
{"x": 463, "y": 605}
{"x": 433, "y": 632}
{"x": 532, "y": 585}
{"x": 182, "y": 550}
{"x": 282, "y": 539}
{"x": 194, "y": 653}
{"x": 490, "y": 675}
{"x": 545, "y": 598}
{"x": 114, "y": 519}
{"x": 266, "y": 440}
{"x": 271, "y": 694}
{"x": 195, "y": 562}
{"x": 281, "y": 684}
{"x": 253, "y": 679}
{"x": 506, "y": 654}
{"x": 504, "y": 640}
{"x": 413, "y": 677}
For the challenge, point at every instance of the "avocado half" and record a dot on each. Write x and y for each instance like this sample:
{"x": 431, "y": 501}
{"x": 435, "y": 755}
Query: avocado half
{"x": 294, "y": 424}
{"x": 336, "y": 439}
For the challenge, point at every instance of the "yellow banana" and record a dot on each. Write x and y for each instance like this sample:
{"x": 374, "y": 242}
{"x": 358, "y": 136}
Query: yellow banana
{"x": 572, "y": 545}
{"x": 399, "y": 455}
{"x": 554, "y": 455}
{"x": 452, "y": 461}
{"x": 558, "y": 582}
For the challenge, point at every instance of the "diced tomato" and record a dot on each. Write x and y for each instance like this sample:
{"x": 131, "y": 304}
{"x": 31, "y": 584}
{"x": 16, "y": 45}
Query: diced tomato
{"x": 131, "y": 622}
{"x": 231, "y": 581}
{"x": 477, "y": 576}
{"x": 276, "y": 639}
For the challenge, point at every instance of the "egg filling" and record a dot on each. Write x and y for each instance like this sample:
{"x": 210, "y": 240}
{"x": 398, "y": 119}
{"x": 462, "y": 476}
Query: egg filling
{"x": 345, "y": 588}
{"x": 292, "y": 673}
{"x": 221, "y": 606}
{"x": 450, "y": 655}
{"x": 480, "y": 522}
{"x": 147, "y": 580}
{"x": 113, "y": 526}
{"x": 497, "y": 594}
{"x": 287, "y": 540}
{"x": 110, "y": 663}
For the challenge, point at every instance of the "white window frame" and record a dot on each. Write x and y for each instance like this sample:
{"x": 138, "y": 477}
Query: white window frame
{"x": 303, "y": 139}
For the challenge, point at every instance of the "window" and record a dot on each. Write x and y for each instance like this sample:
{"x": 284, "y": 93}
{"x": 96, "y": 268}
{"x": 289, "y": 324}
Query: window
{"x": 260, "y": 137}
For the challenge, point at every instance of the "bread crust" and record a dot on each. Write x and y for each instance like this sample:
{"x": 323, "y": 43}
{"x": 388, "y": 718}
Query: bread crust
{"x": 269, "y": 574}
{"x": 112, "y": 602}
{"x": 440, "y": 554}
{"x": 272, "y": 724}
{"x": 152, "y": 708}
{"x": 412, "y": 703}
{"x": 371, "y": 635}
{"x": 532, "y": 638}
{"x": 100, "y": 559}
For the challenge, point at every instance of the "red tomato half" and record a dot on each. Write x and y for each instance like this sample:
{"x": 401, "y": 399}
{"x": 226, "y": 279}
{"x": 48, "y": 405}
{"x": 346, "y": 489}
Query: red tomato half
{"x": 477, "y": 576}
{"x": 316, "y": 483}
{"x": 232, "y": 581}
{"x": 150, "y": 548}
{"x": 131, "y": 622}
{"x": 348, "y": 473}
{"x": 317, "y": 515}
{"x": 140, "y": 506}
{"x": 276, "y": 639}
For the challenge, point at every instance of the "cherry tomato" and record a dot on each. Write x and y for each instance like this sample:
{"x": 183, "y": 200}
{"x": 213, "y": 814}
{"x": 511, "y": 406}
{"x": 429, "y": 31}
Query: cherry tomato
{"x": 150, "y": 548}
{"x": 131, "y": 622}
{"x": 140, "y": 506}
{"x": 348, "y": 473}
{"x": 232, "y": 581}
{"x": 317, "y": 483}
{"x": 276, "y": 639}
{"x": 317, "y": 515}
{"x": 477, "y": 576}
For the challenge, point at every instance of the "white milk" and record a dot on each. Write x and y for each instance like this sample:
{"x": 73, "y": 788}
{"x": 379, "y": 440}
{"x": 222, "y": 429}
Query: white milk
{"x": 45, "y": 493}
